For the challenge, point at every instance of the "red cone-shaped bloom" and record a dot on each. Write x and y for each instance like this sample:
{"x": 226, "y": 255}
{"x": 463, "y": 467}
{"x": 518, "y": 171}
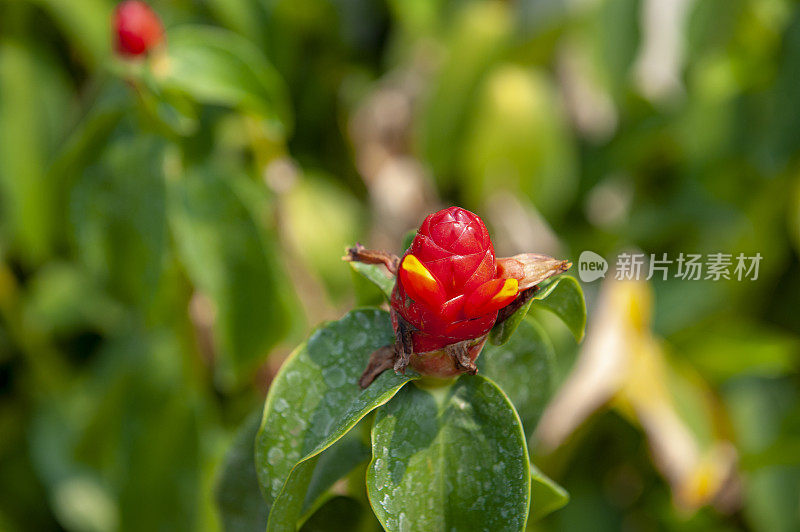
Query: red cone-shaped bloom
{"x": 447, "y": 287}
{"x": 137, "y": 29}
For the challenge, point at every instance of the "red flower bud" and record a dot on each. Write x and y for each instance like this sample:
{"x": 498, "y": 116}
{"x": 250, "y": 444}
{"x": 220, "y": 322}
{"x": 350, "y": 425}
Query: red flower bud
{"x": 450, "y": 291}
{"x": 448, "y": 288}
{"x": 137, "y": 29}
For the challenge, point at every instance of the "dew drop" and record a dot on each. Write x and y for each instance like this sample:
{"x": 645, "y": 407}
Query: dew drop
{"x": 334, "y": 376}
{"x": 275, "y": 455}
{"x": 404, "y": 525}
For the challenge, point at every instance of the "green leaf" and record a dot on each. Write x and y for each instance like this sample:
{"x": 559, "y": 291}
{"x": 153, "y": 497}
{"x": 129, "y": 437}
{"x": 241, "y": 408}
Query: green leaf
{"x": 64, "y": 299}
{"x": 321, "y": 218}
{"x": 314, "y": 400}
{"x": 107, "y": 439}
{"x": 564, "y": 298}
{"x": 34, "y": 100}
{"x": 241, "y": 507}
{"x": 173, "y": 113}
{"x": 376, "y": 274}
{"x": 341, "y": 514}
{"x": 408, "y": 239}
{"x": 519, "y": 129}
{"x": 231, "y": 257}
{"x": 565, "y": 301}
{"x": 546, "y": 495}
{"x": 246, "y": 17}
{"x": 118, "y": 212}
{"x": 85, "y": 24}
{"x": 450, "y": 458}
{"x": 334, "y": 463}
{"x": 524, "y": 369}
{"x": 730, "y": 347}
{"x": 480, "y": 32}
{"x": 218, "y": 67}
{"x": 88, "y": 140}
{"x": 502, "y": 332}
{"x": 365, "y": 292}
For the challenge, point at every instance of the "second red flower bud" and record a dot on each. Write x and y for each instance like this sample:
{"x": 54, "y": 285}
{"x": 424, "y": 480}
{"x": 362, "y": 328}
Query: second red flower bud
{"x": 137, "y": 28}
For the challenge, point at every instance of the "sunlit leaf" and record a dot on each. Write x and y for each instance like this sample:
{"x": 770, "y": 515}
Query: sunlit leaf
{"x": 452, "y": 458}
{"x": 564, "y": 298}
{"x": 313, "y": 402}
{"x": 546, "y": 495}
{"x": 321, "y": 218}
{"x": 519, "y": 141}
{"x": 567, "y": 304}
{"x": 377, "y": 275}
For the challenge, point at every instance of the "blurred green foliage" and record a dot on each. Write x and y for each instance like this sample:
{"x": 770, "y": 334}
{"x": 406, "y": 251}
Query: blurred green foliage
{"x": 170, "y": 228}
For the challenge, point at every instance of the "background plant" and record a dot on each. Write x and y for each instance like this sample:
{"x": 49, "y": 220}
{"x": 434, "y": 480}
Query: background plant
{"x": 170, "y": 229}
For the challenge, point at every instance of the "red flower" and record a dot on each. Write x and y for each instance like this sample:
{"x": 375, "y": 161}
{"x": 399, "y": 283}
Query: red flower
{"x": 137, "y": 29}
{"x": 450, "y": 291}
{"x": 448, "y": 288}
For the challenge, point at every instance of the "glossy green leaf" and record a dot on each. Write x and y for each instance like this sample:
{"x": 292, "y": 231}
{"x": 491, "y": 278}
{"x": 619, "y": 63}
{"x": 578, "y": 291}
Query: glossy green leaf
{"x": 377, "y": 275}
{"x": 365, "y": 292}
{"x": 567, "y": 303}
{"x": 546, "y": 495}
{"x": 451, "y": 458}
{"x": 238, "y": 498}
{"x": 118, "y": 213}
{"x": 524, "y": 369}
{"x": 216, "y": 66}
{"x": 502, "y": 332}
{"x": 237, "y": 492}
{"x": 314, "y": 400}
{"x": 233, "y": 259}
{"x": 408, "y": 239}
{"x": 564, "y": 298}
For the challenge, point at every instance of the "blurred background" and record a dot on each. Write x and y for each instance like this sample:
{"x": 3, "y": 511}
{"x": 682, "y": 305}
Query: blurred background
{"x": 170, "y": 228}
